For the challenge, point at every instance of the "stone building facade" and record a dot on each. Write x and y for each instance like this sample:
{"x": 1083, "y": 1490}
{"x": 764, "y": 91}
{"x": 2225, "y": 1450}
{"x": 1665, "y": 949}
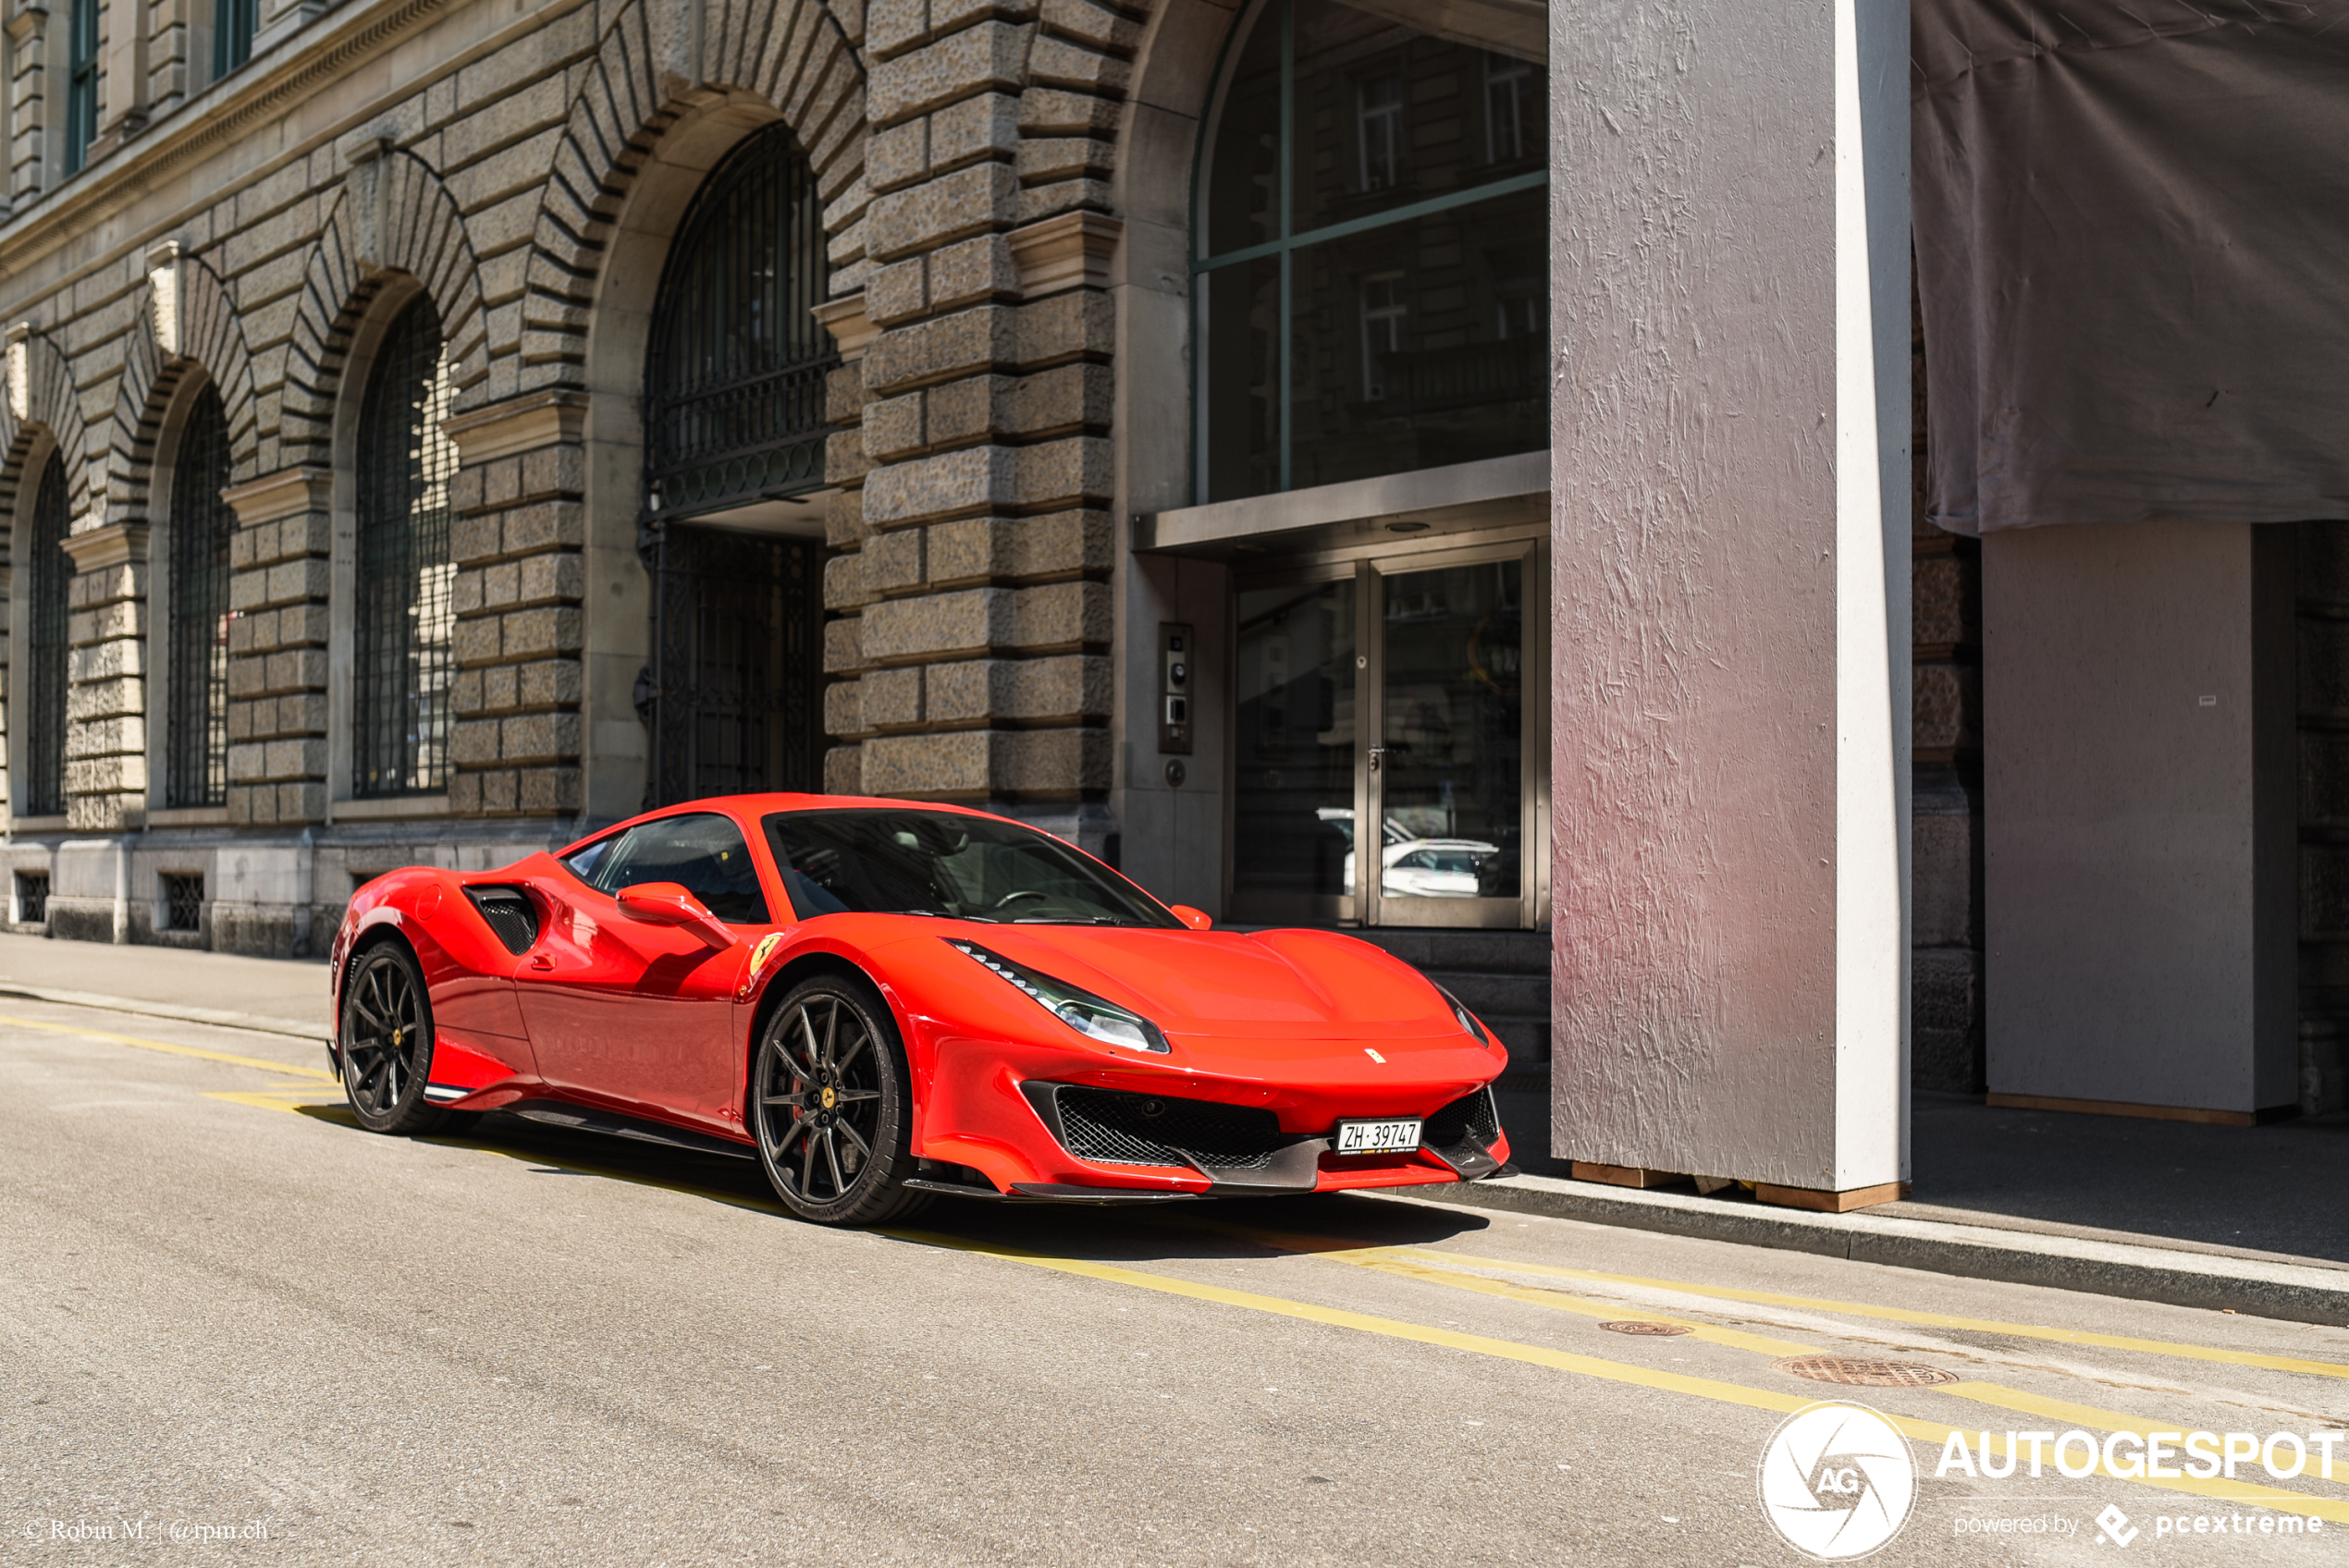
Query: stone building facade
{"x": 1047, "y": 455}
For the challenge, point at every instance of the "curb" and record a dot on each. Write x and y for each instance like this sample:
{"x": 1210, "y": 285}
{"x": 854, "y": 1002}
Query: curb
{"x": 2295, "y": 1293}
{"x": 253, "y": 1022}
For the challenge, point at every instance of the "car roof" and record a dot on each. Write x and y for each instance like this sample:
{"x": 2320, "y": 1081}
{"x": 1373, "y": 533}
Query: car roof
{"x": 771, "y": 801}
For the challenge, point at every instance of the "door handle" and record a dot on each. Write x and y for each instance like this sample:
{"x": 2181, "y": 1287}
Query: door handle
{"x": 1378, "y": 754}
{"x": 540, "y": 961}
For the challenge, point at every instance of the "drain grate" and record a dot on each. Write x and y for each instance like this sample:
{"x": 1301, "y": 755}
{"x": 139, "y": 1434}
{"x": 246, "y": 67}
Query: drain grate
{"x": 1863, "y": 1374}
{"x": 1634, "y": 1325}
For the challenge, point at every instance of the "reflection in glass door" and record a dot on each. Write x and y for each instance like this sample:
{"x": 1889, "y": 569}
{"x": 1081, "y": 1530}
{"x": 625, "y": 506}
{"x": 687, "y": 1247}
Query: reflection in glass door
{"x": 1436, "y": 751}
{"x": 1295, "y": 751}
{"x": 1447, "y": 769}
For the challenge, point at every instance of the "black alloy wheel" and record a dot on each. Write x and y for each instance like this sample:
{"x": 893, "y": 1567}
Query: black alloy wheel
{"x": 830, "y": 1102}
{"x": 386, "y": 1042}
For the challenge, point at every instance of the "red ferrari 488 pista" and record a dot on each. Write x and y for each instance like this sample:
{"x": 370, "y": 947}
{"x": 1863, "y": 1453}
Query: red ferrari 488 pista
{"x": 881, "y": 1000}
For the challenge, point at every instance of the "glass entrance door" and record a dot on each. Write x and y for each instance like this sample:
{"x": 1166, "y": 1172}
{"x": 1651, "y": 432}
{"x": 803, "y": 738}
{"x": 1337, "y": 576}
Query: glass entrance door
{"x": 1405, "y": 693}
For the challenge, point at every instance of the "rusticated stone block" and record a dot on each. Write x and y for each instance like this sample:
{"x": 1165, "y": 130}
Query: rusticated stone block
{"x": 935, "y": 625}
{"x": 891, "y": 563}
{"x": 844, "y": 770}
{"x": 1056, "y": 111}
{"x": 893, "y": 429}
{"x": 844, "y": 391}
{"x": 500, "y": 792}
{"x": 1055, "y": 545}
{"x": 935, "y": 767}
{"x": 972, "y": 271}
{"x": 1077, "y": 324}
{"x": 986, "y": 57}
{"x": 1937, "y": 600}
{"x": 1081, "y": 468}
{"x": 1062, "y": 614}
{"x": 898, "y": 292}
{"x": 533, "y": 633}
{"x": 844, "y": 518}
{"x": 844, "y": 460}
{"x": 974, "y": 478}
{"x": 1945, "y": 698}
{"x": 1061, "y": 688}
{"x": 844, "y": 583}
{"x": 891, "y": 699}
{"x": 539, "y": 736}
{"x": 472, "y": 742}
{"x": 550, "y": 790}
{"x": 1051, "y": 763}
{"x": 843, "y": 708}
{"x": 547, "y": 683}
{"x": 844, "y": 653}
{"x": 966, "y": 343}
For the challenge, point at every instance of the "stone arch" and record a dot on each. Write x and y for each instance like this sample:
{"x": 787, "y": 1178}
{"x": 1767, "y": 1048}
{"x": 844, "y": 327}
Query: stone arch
{"x": 49, "y": 406}
{"x": 652, "y": 69}
{"x": 212, "y": 343}
{"x": 393, "y": 216}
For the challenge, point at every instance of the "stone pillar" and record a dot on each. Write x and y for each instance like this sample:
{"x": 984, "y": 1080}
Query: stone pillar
{"x": 106, "y": 679}
{"x": 280, "y": 565}
{"x": 2142, "y": 814}
{"x": 1730, "y": 693}
{"x": 517, "y": 536}
{"x": 982, "y": 540}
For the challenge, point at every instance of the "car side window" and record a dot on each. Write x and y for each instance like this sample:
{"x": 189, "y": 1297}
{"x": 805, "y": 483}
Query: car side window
{"x": 703, "y": 852}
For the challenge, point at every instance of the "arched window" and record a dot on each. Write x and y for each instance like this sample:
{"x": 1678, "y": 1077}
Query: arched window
{"x": 196, "y": 660}
{"x": 45, "y": 651}
{"x": 1370, "y": 255}
{"x": 733, "y": 430}
{"x": 403, "y": 620}
{"x": 734, "y": 379}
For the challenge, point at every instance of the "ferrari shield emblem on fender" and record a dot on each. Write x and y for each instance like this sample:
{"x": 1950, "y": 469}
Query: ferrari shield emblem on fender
{"x": 758, "y": 957}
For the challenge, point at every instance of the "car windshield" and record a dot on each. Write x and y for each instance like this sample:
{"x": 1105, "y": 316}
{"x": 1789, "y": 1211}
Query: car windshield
{"x": 883, "y": 862}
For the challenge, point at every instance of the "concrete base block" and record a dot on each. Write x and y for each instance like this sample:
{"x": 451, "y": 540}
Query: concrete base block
{"x": 1821, "y": 1202}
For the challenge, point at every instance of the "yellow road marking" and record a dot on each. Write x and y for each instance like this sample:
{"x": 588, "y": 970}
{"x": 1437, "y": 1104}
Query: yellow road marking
{"x": 1389, "y": 1260}
{"x": 233, "y": 1060}
{"x": 280, "y": 1098}
{"x": 1902, "y": 1315}
{"x": 2276, "y": 1498}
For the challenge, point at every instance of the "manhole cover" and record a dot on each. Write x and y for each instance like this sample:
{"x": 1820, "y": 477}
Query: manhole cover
{"x": 1864, "y": 1374}
{"x": 1634, "y": 1326}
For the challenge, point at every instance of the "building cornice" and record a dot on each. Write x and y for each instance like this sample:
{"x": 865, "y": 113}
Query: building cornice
{"x": 309, "y": 60}
{"x": 289, "y": 492}
{"x": 118, "y": 544}
{"x": 519, "y": 424}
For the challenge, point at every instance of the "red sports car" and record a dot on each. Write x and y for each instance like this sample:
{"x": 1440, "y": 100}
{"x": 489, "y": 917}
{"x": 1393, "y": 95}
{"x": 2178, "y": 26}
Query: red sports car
{"x": 881, "y": 999}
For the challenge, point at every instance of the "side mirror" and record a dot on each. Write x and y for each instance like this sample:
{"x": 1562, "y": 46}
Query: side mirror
{"x": 667, "y": 904}
{"x": 1197, "y": 919}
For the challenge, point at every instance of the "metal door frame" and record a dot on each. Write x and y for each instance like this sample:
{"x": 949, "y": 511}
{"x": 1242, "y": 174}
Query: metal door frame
{"x": 1368, "y": 566}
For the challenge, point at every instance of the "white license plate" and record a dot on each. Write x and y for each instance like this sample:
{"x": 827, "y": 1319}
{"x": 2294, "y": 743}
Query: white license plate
{"x": 1398, "y": 1137}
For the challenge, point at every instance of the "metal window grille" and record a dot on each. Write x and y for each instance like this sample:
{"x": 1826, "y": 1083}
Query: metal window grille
{"x": 732, "y": 697}
{"x": 404, "y": 619}
{"x": 81, "y": 84}
{"x": 33, "y": 898}
{"x": 182, "y": 900}
{"x": 196, "y": 719}
{"x": 734, "y": 380}
{"x": 45, "y": 720}
{"x": 233, "y": 23}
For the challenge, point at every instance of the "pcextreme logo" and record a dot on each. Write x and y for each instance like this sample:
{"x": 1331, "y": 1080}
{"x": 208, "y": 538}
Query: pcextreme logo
{"x": 1838, "y": 1482}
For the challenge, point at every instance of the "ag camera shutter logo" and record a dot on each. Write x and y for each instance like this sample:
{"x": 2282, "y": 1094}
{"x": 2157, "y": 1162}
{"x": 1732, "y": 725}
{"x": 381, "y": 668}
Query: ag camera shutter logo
{"x": 1838, "y": 1482}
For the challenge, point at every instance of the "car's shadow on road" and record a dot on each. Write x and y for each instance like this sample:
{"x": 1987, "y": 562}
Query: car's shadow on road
{"x": 1207, "y": 1229}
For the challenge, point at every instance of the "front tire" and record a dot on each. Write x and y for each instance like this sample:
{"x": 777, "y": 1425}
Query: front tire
{"x": 386, "y": 1042}
{"x": 830, "y": 1104}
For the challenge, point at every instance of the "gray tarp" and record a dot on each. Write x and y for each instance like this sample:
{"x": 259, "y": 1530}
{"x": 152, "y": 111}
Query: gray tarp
{"x": 2133, "y": 259}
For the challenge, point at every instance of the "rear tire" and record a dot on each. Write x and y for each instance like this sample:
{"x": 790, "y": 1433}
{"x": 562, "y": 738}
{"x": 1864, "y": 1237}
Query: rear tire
{"x": 832, "y": 1107}
{"x": 386, "y": 1042}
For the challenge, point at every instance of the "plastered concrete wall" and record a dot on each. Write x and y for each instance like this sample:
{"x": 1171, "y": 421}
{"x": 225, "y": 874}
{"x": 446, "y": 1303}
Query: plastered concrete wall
{"x": 1730, "y": 480}
{"x": 2140, "y": 814}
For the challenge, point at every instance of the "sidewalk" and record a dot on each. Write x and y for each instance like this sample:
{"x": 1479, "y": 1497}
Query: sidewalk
{"x": 2251, "y": 1219}
{"x": 274, "y": 995}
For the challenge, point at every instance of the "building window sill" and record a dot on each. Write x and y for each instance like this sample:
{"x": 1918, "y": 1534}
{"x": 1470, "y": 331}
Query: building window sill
{"x": 389, "y": 809}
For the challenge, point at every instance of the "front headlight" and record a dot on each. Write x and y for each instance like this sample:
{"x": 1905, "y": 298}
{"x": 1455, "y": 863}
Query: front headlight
{"x": 1468, "y": 1019}
{"x": 1102, "y": 1022}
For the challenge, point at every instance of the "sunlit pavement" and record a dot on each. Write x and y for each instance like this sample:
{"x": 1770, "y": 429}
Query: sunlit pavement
{"x": 229, "y": 1310}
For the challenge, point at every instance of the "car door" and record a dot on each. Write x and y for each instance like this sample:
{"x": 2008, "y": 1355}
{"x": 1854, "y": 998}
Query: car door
{"x": 636, "y": 1015}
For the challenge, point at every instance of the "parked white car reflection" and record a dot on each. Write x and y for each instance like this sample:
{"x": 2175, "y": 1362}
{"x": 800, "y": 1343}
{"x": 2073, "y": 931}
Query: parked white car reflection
{"x": 1429, "y": 868}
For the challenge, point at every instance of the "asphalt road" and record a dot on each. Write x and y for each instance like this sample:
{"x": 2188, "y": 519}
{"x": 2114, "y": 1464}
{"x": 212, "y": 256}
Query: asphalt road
{"x": 225, "y": 1308}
